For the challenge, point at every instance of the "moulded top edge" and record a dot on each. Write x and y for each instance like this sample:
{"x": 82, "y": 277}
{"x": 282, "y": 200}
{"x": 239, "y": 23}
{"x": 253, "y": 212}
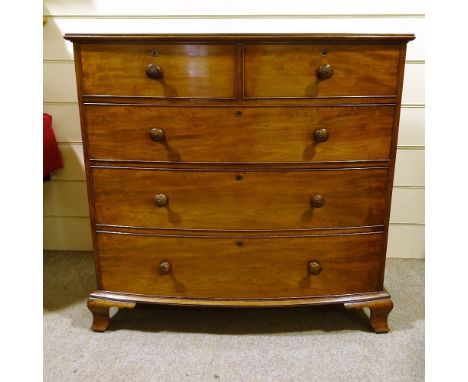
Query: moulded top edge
{"x": 220, "y": 37}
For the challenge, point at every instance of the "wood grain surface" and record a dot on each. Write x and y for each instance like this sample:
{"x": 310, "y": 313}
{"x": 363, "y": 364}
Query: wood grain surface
{"x": 250, "y": 268}
{"x": 365, "y": 38}
{"x": 239, "y": 134}
{"x": 189, "y": 70}
{"x": 240, "y": 200}
{"x": 290, "y": 70}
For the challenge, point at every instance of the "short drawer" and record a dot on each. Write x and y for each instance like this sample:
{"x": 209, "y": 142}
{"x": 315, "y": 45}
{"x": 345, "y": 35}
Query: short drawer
{"x": 308, "y": 71}
{"x": 250, "y": 268}
{"x": 289, "y": 199}
{"x": 242, "y": 134}
{"x": 177, "y": 70}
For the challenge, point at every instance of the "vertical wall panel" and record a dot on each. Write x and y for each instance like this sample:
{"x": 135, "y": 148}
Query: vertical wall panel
{"x": 65, "y": 121}
{"x": 406, "y": 241}
{"x": 67, "y": 233}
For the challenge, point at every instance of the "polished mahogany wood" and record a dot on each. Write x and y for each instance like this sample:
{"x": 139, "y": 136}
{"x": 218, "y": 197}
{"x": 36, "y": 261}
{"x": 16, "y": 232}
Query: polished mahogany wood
{"x": 291, "y": 70}
{"x": 379, "y": 311}
{"x": 240, "y": 170}
{"x": 101, "y": 99}
{"x": 243, "y": 134}
{"x": 89, "y": 180}
{"x": 244, "y": 199}
{"x": 237, "y": 233}
{"x": 187, "y": 70}
{"x": 252, "y": 268}
{"x": 240, "y": 166}
{"x": 110, "y": 297}
{"x": 367, "y": 38}
{"x": 100, "y": 310}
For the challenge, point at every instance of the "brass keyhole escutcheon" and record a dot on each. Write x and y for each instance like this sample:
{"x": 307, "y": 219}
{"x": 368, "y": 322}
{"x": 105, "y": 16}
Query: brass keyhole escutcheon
{"x": 239, "y": 178}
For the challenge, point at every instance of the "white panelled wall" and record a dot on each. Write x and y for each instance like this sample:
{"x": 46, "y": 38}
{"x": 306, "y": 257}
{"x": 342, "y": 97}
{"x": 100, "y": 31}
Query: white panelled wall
{"x": 66, "y": 222}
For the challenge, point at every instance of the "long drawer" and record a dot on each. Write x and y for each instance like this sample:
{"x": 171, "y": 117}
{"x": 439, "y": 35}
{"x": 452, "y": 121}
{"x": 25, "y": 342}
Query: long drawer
{"x": 289, "y": 199}
{"x": 250, "y": 268}
{"x": 308, "y": 71}
{"x": 159, "y": 70}
{"x": 239, "y": 134}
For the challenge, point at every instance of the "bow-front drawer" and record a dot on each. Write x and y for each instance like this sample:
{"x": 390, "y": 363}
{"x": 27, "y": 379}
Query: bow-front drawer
{"x": 240, "y": 267}
{"x": 159, "y": 70}
{"x": 239, "y": 134}
{"x": 310, "y": 71}
{"x": 289, "y": 199}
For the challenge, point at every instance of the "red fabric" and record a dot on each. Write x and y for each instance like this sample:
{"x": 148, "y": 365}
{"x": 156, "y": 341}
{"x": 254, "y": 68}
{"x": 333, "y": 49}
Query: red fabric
{"x": 51, "y": 155}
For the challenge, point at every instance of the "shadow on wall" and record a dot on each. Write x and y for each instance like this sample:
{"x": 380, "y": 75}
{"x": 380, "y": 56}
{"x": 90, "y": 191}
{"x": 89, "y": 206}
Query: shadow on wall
{"x": 65, "y": 204}
{"x": 51, "y": 32}
{"x": 68, "y": 278}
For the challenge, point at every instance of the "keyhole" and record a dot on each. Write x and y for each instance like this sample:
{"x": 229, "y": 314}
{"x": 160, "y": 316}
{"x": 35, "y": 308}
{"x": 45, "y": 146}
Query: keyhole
{"x": 239, "y": 178}
{"x": 154, "y": 52}
{"x": 324, "y": 52}
{"x": 238, "y": 113}
{"x": 239, "y": 243}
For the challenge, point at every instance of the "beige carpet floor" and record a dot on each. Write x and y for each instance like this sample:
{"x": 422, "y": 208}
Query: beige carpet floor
{"x": 160, "y": 343}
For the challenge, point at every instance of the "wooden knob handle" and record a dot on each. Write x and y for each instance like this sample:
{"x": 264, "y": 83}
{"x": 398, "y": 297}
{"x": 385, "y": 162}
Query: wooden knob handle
{"x": 154, "y": 72}
{"x": 315, "y": 268}
{"x": 325, "y": 71}
{"x": 321, "y": 135}
{"x": 317, "y": 201}
{"x": 160, "y": 200}
{"x": 165, "y": 268}
{"x": 157, "y": 135}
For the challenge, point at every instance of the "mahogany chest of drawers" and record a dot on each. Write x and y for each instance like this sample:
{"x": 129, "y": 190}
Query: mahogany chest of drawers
{"x": 240, "y": 170}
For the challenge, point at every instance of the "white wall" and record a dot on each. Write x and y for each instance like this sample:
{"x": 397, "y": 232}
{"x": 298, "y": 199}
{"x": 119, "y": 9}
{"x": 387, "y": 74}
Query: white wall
{"x": 66, "y": 224}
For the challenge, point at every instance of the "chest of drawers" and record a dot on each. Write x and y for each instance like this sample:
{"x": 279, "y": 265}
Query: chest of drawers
{"x": 240, "y": 170}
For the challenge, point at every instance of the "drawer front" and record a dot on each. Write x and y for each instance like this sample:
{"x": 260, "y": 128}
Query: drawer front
{"x": 225, "y": 134}
{"x": 188, "y": 70}
{"x": 293, "y": 70}
{"x": 239, "y": 200}
{"x": 251, "y": 268}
